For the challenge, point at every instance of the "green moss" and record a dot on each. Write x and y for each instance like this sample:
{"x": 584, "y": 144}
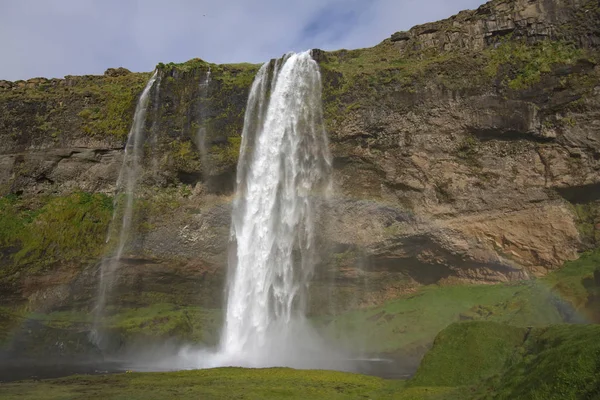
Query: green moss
{"x": 185, "y": 157}
{"x": 227, "y": 154}
{"x": 484, "y": 360}
{"x": 523, "y": 65}
{"x": 190, "y": 65}
{"x": 118, "y": 97}
{"x": 467, "y": 353}
{"x": 588, "y": 219}
{"x": 63, "y": 229}
{"x": 235, "y": 75}
{"x": 559, "y": 362}
{"x": 164, "y": 321}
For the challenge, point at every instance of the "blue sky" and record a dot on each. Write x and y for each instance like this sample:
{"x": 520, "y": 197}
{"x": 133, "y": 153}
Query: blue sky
{"x": 53, "y": 38}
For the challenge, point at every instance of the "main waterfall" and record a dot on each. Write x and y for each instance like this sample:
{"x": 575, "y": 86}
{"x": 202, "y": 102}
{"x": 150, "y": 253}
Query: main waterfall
{"x": 284, "y": 167}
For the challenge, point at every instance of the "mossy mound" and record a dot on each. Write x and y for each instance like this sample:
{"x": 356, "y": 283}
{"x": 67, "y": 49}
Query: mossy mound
{"x": 467, "y": 352}
{"x": 486, "y": 360}
{"x": 558, "y": 362}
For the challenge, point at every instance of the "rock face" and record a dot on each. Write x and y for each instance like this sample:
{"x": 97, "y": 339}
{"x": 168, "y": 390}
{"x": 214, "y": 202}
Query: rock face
{"x": 532, "y": 20}
{"x": 465, "y": 150}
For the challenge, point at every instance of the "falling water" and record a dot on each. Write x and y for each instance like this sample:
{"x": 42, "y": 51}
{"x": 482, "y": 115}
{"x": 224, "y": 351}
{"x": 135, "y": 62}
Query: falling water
{"x": 126, "y": 185}
{"x": 273, "y": 217}
{"x": 201, "y": 133}
{"x": 154, "y": 129}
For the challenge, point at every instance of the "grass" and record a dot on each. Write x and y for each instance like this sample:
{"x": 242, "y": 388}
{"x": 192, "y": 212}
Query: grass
{"x": 155, "y": 323}
{"x": 467, "y": 353}
{"x": 157, "y": 320}
{"x": 59, "y": 229}
{"x": 101, "y": 106}
{"x": 523, "y": 65}
{"x": 558, "y": 362}
{"x": 411, "y": 323}
{"x": 469, "y": 360}
{"x": 485, "y": 360}
{"x": 114, "y": 115}
{"x": 222, "y": 383}
{"x": 573, "y": 281}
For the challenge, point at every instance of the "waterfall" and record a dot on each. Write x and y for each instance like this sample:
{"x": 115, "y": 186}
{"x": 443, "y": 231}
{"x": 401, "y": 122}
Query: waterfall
{"x": 283, "y": 174}
{"x": 126, "y": 185}
{"x": 201, "y": 133}
{"x": 284, "y": 166}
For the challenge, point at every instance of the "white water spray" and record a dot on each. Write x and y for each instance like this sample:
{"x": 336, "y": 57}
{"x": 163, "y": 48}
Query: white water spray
{"x": 126, "y": 185}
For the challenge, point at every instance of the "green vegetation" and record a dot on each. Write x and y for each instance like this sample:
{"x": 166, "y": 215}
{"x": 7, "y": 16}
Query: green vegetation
{"x": 354, "y": 79}
{"x": 100, "y": 106}
{"x": 156, "y": 321}
{"x": 410, "y": 323}
{"x": 227, "y": 154}
{"x": 471, "y": 360}
{"x": 588, "y": 222}
{"x": 222, "y": 383}
{"x": 523, "y": 65}
{"x": 363, "y": 78}
{"x": 63, "y": 229}
{"x": 487, "y": 360}
{"x": 114, "y": 113}
{"x": 573, "y": 282}
{"x": 185, "y": 156}
{"x": 466, "y": 353}
{"x": 234, "y": 76}
{"x": 468, "y": 151}
{"x": 559, "y": 362}
{"x": 190, "y": 65}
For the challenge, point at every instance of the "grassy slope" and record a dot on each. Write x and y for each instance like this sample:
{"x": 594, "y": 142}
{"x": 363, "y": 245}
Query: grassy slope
{"x": 466, "y": 353}
{"x": 413, "y": 321}
{"x": 485, "y": 360}
{"x": 559, "y": 362}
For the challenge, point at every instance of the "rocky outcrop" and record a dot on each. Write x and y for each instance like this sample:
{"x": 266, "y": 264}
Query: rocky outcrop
{"x": 533, "y": 20}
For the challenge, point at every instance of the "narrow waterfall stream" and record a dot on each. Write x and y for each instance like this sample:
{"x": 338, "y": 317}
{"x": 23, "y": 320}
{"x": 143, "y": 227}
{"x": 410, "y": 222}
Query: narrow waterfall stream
{"x": 125, "y": 189}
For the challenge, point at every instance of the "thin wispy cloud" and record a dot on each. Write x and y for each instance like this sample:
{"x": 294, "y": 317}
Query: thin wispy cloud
{"x": 53, "y": 38}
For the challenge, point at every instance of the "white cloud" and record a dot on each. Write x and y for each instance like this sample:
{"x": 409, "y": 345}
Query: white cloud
{"x": 54, "y": 38}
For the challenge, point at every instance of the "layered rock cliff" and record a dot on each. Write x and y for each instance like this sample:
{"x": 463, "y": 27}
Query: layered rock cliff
{"x": 466, "y": 150}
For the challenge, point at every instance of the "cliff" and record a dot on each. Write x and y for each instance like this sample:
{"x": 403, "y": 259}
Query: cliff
{"x": 465, "y": 150}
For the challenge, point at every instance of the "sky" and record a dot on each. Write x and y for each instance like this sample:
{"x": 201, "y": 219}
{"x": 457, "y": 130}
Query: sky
{"x": 54, "y": 38}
